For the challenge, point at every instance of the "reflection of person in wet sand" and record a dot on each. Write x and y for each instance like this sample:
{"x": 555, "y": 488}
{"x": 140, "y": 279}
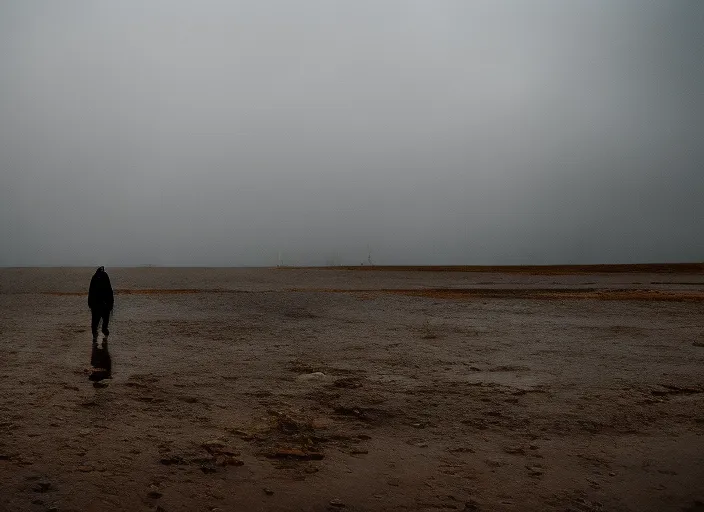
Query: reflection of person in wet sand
{"x": 101, "y": 362}
{"x": 100, "y": 302}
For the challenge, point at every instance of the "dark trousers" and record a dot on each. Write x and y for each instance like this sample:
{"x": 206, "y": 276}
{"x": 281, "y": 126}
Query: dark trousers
{"x": 98, "y": 314}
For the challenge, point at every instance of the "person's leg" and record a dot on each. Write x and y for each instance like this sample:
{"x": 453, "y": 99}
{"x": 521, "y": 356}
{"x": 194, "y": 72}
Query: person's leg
{"x": 95, "y": 312}
{"x": 106, "y": 320}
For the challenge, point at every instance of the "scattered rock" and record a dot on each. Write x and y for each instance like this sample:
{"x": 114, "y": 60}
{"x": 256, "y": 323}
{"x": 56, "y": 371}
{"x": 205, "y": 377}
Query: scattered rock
{"x": 582, "y": 505}
{"x": 471, "y": 506}
{"x": 358, "y": 451}
{"x": 268, "y": 491}
{"x": 214, "y": 446}
{"x": 207, "y": 468}
{"x": 228, "y": 460}
{"x": 312, "y": 376}
{"x": 337, "y": 503}
{"x": 508, "y": 368}
{"x": 348, "y": 382}
{"x": 514, "y": 450}
{"x": 535, "y": 470}
{"x": 42, "y": 486}
{"x": 289, "y": 425}
{"x": 675, "y": 390}
{"x": 349, "y": 411}
{"x": 461, "y": 449}
{"x": 154, "y": 495}
{"x": 100, "y": 384}
{"x": 245, "y": 436}
{"x": 698, "y": 343}
{"x": 173, "y": 460}
{"x": 294, "y": 453}
{"x": 85, "y": 468}
{"x": 394, "y": 482}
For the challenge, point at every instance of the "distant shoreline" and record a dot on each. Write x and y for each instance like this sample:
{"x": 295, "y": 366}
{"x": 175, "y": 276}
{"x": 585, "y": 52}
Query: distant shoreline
{"x": 641, "y": 268}
{"x": 603, "y": 268}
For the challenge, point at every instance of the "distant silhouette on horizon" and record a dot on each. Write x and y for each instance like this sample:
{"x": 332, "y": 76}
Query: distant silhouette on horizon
{"x": 100, "y": 302}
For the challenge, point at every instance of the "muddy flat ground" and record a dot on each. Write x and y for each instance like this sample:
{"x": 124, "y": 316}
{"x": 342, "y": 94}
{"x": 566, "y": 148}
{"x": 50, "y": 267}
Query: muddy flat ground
{"x": 316, "y": 389}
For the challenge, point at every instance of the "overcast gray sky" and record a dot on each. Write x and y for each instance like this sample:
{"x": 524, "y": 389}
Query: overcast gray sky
{"x": 431, "y": 132}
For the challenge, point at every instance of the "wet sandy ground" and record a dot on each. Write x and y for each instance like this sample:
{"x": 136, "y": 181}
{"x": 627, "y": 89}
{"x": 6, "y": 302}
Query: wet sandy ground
{"x": 310, "y": 389}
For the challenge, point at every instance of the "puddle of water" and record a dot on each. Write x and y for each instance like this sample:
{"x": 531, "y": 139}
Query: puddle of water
{"x": 101, "y": 362}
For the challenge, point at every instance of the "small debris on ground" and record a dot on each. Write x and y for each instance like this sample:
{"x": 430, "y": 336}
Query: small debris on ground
{"x": 294, "y": 453}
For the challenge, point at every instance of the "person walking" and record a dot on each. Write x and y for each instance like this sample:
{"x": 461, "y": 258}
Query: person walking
{"x": 100, "y": 302}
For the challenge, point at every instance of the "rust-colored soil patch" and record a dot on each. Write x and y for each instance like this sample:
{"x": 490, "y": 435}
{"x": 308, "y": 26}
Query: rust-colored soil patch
{"x": 528, "y": 293}
{"x": 548, "y": 294}
{"x": 649, "y": 268}
{"x": 155, "y": 291}
{"x": 150, "y": 291}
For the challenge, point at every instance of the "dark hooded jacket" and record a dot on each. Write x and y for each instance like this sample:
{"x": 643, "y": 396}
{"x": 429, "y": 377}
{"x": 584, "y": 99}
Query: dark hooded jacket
{"x": 100, "y": 293}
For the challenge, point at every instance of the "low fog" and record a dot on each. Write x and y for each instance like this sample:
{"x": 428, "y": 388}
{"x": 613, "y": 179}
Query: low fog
{"x": 323, "y": 132}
